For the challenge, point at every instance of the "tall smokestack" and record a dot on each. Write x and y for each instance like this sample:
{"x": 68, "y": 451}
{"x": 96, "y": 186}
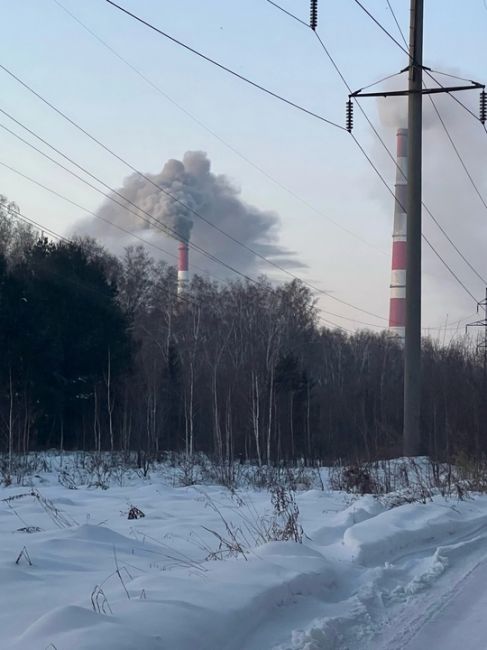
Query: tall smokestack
{"x": 397, "y": 309}
{"x": 183, "y": 272}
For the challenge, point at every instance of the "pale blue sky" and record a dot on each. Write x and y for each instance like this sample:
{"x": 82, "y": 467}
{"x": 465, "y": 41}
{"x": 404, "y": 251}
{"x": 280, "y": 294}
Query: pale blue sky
{"x": 51, "y": 52}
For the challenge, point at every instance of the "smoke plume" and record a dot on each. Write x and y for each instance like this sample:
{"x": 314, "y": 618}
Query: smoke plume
{"x": 212, "y": 196}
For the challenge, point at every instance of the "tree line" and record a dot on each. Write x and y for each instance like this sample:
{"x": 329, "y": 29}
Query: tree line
{"x": 99, "y": 353}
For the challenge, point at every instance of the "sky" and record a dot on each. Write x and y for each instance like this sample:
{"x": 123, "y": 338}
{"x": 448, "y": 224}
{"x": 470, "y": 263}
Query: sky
{"x": 331, "y": 214}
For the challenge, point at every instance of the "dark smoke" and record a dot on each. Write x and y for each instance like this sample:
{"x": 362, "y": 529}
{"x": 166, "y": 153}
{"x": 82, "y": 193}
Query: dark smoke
{"x": 212, "y": 196}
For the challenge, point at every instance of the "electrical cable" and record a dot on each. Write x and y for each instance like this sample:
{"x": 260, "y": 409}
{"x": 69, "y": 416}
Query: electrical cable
{"x": 403, "y": 208}
{"x": 454, "y": 97}
{"x": 86, "y": 210}
{"x": 425, "y": 70}
{"x": 457, "y": 152}
{"x": 335, "y": 65}
{"x": 382, "y": 27}
{"x": 160, "y": 225}
{"x": 285, "y": 11}
{"x": 141, "y": 239}
{"x": 353, "y": 320}
{"x": 223, "y": 67}
{"x": 189, "y": 208}
{"x": 22, "y": 217}
{"x": 196, "y": 120}
{"x": 377, "y": 134}
{"x": 399, "y": 28}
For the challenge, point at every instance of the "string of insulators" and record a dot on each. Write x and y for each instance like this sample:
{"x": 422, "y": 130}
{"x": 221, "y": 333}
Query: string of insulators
{"x": 313, "y": 15}
{"x": 483, "y": 106}
{"x": 349, "y": 117}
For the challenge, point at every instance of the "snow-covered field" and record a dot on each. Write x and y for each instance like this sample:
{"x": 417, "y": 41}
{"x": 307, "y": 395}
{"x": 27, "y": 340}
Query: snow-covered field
{"x": 365, "y": 576}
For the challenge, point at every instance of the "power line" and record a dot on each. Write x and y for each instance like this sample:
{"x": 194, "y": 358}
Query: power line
{"x": 22, "y": 217}
{"x": 397, "y": 23}
{"x": 335, "y": 65}
{"x": 352, "y": 320}
{"x": 145, "y": 241}
{"x": 382, "y": 27}
{"x": 223, "y": 67}
{"x": 43, "y": 228}
{"x": 339, "y": 72}
{"x": 454, "y": 97}
{"x": 84, "y": 209}
{"x": 459, "y": 156}
{"x": 165, "y": 227}
{"x": 159, "y": 90}
{"x": 377, "y": 134}
{"x": 160, "y": 225}
{"x": 423, "y": 235}
{"x": 189, "y": 208}
{"x": 296, "y": 18}
{"x": 288, "y": 13}
{"x": 450, "y": 326}
{"x": 425, "y": 70}
{"x": 340, "y": 327}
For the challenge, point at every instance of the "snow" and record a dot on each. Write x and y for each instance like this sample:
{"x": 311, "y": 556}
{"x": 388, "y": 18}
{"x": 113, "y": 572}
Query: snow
{"x": 365, "y": 576}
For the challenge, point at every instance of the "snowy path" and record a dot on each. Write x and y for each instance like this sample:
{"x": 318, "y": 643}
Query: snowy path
{"x": 462, "y": 622}
{"x": 451, "y": 618}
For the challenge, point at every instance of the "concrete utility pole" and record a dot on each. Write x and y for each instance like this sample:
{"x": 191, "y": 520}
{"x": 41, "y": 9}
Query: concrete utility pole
{"x": 482, "y": 347}
{"x": 412, "y": 349}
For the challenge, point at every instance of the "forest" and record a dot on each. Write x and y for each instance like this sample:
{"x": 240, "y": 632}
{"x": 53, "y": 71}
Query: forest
{"x": 99, "y": 353}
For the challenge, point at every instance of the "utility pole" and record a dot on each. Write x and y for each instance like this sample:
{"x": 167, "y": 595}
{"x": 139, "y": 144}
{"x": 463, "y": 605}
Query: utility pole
{"x": 412, "y": 348}
{"x": 482, "y": 346}
{"x": 415, "y": 92}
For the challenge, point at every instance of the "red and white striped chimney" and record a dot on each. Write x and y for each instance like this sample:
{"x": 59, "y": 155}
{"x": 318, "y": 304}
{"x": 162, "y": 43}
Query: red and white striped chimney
{"x": 183, "y": 272}
{"x": 397, "y": 309}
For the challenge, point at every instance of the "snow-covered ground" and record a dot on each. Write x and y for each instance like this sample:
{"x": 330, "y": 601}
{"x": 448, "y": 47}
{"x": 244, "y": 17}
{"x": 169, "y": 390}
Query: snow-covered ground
{"x": 365, "y": 576}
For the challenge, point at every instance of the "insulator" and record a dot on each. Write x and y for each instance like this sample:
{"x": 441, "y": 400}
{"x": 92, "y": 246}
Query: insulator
{"x": 483, "y": 106}
{"x": 349, "y": 119}
{"x": 313, "y": 15}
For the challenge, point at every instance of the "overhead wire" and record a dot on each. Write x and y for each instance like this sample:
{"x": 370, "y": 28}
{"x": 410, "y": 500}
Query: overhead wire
{"x": 293, "y": 16}
{"x": 457, "y": 152}
{"x": 386, "y": 148}
{"x": 181, "y": 297}
{"x": 145, "y": 241}
{"x": 454, "y": 97}
{"x": 372, "y": 17}
{"x": 427, "y": 209}
{"x": 195, "y": 119}
{"x": 342, "y": 77}
{"x": 187, "y": 47}
{"x": 132, "y": 234}
{"x": 369, "y": 160}
{"x": 177, "y": 200}
{"x": 84, "y": 209}
{"x": 385, "y": 183}
{"x": 154, "y": 221}
{"x": 17, "y": 214}
{"x": 427, "y": 71}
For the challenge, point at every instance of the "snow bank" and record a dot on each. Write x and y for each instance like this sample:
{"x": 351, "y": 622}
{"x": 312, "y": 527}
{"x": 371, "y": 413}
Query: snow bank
{"x": 109, "y": 583}
{"x": 412, "y": 527}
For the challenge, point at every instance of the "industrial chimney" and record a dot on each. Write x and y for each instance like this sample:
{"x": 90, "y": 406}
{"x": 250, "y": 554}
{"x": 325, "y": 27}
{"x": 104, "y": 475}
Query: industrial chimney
{"x": 397, "y": 309}
{"x": 183, "y": 273}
